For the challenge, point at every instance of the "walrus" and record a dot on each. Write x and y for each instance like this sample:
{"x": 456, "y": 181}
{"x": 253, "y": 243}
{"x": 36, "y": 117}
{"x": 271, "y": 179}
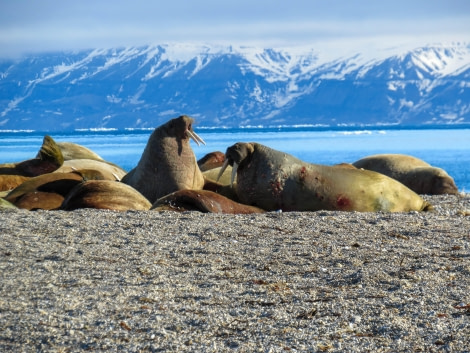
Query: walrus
{"x": 202, "y": 200}
{"x": 273, "y": 180}
{"x": 48, "y": 191}
{"x": 39, "y": 200}
{"x": 413, "y": 172}
{"x": 9, "y": 181}
{"x": 211, "y": 160}
{"x": 219, "y": 182}
{"x": 107, "y": 170}
{"x": 49, "y": 158}
{"x": 215, "y": 175}
{"x": 168, "y": 163}
{"x": 105, "y": 194}
{"x": 5, "y": 205}
{"x": 71, "y": 150}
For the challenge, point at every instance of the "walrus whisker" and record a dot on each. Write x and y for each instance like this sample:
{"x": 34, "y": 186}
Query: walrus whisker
{"x": 222, "y": 169}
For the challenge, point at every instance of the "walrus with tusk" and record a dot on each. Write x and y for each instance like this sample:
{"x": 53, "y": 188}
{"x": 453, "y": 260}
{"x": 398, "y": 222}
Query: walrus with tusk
{"x": 168, "y": 163}
{"x": 273, "y": 180}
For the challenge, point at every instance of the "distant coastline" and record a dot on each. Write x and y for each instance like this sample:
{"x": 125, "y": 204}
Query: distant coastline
{"x": 257, "y": 128}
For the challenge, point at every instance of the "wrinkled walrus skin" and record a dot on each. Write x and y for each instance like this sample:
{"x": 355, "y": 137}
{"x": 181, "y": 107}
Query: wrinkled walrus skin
{"x": 168, "y": 163}
{"x": 413, "y": 172}
{"x": 273, "y": 180}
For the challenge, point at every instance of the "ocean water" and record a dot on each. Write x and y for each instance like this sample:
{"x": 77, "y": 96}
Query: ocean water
{"x": 445, "y": 148}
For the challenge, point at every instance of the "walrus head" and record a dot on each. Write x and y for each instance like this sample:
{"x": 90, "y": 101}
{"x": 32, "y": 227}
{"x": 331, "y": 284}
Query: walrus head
{"x": 182, "y": 128}
{"x": 432, "y": 180}
{"x": 236, "y": 155}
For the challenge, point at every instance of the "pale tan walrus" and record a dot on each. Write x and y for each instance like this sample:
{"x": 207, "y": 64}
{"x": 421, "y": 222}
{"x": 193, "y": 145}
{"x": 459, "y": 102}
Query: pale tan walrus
{"x": 413, "y": 172}
{"x": 273, "y": 180}
{"x": 168, "y": 163}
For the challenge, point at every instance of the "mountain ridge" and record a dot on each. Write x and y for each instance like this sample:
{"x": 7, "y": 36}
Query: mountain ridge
{"x": 142, "y": 87}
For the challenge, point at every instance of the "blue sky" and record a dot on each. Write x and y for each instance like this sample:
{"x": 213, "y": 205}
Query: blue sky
{"x": 31, "y": 26}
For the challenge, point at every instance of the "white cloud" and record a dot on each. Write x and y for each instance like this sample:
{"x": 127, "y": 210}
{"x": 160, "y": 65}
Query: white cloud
{"x": 58, "y": 25}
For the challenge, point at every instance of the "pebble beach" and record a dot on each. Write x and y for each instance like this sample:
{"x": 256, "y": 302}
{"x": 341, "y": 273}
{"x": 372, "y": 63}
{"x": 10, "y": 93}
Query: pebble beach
{"x": 145, "y": 281}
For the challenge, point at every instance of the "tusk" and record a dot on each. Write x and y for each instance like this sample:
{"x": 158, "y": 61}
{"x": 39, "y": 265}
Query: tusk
{"x": 191, "y": 135}
{"x": 199, "y": 138}
{"x": 195, "y": 137}
{"x": 234, "y": 173}
{"x": 222, "y": 169}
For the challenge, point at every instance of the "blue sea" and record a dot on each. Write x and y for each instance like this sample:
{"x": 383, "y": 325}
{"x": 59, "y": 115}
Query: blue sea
{"x": 447, "y": 148}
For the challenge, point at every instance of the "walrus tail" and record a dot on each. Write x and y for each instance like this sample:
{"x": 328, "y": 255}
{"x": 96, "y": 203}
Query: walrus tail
{"x": 50, "y": 151}
{"x": 427, "y": 207}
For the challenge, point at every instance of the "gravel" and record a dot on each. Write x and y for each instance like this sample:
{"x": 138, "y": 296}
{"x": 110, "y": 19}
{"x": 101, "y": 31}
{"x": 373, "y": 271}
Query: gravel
{"x": 143, "y": 281}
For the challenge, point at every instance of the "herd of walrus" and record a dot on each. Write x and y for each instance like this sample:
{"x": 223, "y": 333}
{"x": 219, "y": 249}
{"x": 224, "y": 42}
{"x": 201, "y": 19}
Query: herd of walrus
{"x": 248, "y": 178}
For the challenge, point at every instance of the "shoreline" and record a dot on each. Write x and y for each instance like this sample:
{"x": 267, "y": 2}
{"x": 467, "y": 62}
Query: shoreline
{"x": 303, "y": 281}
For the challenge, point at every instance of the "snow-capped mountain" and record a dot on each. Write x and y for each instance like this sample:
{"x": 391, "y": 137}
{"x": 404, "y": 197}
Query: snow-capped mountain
{"x": 142, "y": 87}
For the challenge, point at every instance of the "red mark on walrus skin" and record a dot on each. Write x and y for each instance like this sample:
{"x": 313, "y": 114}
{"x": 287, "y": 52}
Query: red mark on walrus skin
{"x": 303, "y": 173}
{"x": 342, "y": 201}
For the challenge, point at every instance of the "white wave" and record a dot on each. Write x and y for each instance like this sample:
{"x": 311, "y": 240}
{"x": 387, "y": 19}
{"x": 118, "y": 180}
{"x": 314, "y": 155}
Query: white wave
{"x": 97, "y": 129}
{"x": 139, "y": 128}
{"x": 17, "y": 131}
{"x": 360, "y": 132}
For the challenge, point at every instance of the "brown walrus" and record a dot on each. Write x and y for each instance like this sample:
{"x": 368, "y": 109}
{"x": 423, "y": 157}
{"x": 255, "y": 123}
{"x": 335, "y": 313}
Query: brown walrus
{"x": 211, "y": 160}
{"x": 274, "y": 180}
{"x": 105, "y": 194}
{"x": 47, "y": 191}
{"x": 9, "y": 182}
{"x": 413, "y": 172}
{"x": 168, "y": 163}
{"x": 49, "y": 158}
{"x": 202, "y": 200}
